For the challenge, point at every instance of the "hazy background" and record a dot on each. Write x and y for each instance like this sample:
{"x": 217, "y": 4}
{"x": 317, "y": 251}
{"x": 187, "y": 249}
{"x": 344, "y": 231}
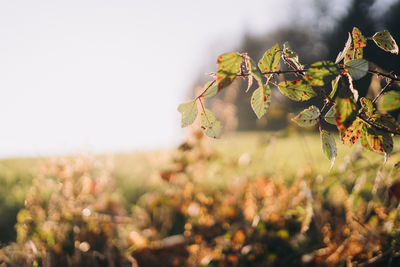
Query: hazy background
{"x": 104, "y": 76}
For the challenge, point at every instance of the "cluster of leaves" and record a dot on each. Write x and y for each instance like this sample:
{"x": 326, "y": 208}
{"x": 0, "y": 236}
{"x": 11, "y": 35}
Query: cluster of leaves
{"x": 355, "y": 118}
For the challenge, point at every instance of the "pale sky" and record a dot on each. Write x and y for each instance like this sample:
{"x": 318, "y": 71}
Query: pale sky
{"x": 107, "y": 76}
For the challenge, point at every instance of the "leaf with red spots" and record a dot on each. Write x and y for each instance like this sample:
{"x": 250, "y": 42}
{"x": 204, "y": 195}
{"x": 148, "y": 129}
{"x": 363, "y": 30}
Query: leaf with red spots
{"x": 260, "y": 100}
{"x": 358, "y": 38}
{"x": 379, "y": 141}
{"x": 352, "y": 132}
{"x": 189, "y": 113}
{"x": 308, "y": 117}
{"x": 390, "y": 101}
{"x": 291, "y": 56}
{"x": 342, "y": 53}
{"x": 321, "y": 73}
{"x": 357, "y": 68}
{"x": 297, "y": 90}
{"x": 328, "y": 146}
{"x": 228, "y": 67}
{"x": 330, "y": 116}
{"x": 210, "y": 125}
{"x": 270, "y": 60}
{"x": 345, "y": 112}
{"x": 386, "y": 42}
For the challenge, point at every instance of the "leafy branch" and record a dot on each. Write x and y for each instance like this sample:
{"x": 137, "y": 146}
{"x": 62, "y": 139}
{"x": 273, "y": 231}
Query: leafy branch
{"x": 356, "y": 119}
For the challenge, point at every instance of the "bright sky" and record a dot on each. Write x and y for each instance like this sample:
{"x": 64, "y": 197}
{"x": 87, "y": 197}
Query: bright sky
{"x": 102, "y": 76}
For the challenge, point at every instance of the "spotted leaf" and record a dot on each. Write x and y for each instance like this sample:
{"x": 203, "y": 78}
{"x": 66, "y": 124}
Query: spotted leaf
{"x": 308, "y": 117}
{"x": 386, "y": 42}
{"x": 358, "y": 39}
{"x": 298, "y": 90}
{"x": 210, "y": 124}
{"x": 328, "y": 146}
{"x": 390, "y": 101}
{"x": 228, "y": 67}
{"x": 189, "y": 113}
{"x": 260, "y": 100}
{"x": 353, "y": 132}
{"x": 379, "y": 141}
{"x": 321, "y": 73}
{"x": 270, "y": 60}
{"x": 345, "y": 112}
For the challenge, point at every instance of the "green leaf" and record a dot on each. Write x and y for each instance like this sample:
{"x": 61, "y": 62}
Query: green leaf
{"x": 308, "y": 117}
{"x": 341, "y": 54}
{"x": 260, "y": 100}
{"x": 297, "y": 90}
{"x": 328, "y": 146}
{"x": 321, "y": 73}
{"x": 330, "y": 116}
{"x": 357, "y": 68}
{"x": 189, "y": 112}
{"x": 353, "y": 132}
{"x": 345, "y": 112}
{"x": 256, "y": 73}
{"x": 367, "y": 106}
{"x": 211, "y": 91}
{"x": 228, "y": 67}
{"x": 335, "y": 84}
{"x": 386, "y": 42}
{"x": 290, "y": 55}
{"x": 390, "y": 101}
{"x": 210, "y": 124}
{"x": 270, "y": 60}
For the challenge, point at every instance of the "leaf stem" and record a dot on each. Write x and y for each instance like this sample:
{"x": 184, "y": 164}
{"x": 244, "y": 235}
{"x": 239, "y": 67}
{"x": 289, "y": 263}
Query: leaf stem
{"x": 378, "y": 126}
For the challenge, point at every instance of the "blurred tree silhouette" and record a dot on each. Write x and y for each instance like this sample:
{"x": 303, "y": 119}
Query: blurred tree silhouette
{"x": 313, "y": 42}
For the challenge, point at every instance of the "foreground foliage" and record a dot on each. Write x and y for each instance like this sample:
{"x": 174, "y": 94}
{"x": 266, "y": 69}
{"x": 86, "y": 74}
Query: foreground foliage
{"x": 258, "y": 218}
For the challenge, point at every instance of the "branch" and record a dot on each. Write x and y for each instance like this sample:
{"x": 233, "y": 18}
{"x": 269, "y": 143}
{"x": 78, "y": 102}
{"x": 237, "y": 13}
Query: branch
{"x": 381, "y": 92}
{"x": 378, "y": 126}
{"x": 393, "y": 78}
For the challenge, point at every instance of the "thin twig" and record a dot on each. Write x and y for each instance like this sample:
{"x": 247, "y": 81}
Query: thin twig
{"x": 379, "y": 126}
{"x": 381, "y": 92}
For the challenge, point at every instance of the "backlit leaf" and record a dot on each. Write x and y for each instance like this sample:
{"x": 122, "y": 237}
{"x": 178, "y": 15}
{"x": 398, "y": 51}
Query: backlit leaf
{"x": 260, "y": 100}
{"x": 386, "y": 42}
{"x": 367, "y": 106}
{"x": 358, "y": 38}
{"x": 189, "y": 113}
{"x": 335, "y": 84}
{"x": 330, "y": 116}
{"x": 322, "y": 72}
{"x": 345, "y": 112}
{"x": 290, "y": 55}
{"x": 357, "y": 68}
{"x": 390, "y": 101}
{"x": 228, "y": 67}
{"x": 297, "y": 90}
{"x": 210, "y": 124}
{"x": 211, "y": 91}
{"x": 353, "y": 132}
{"x": 328, "y": 146}
{"x": 308, "y": 117}
{"x": 341, "y": 54}
{"x": 270, "y": 60}
{"x": 379, "y": 141}
{"x": 256, "y": 73}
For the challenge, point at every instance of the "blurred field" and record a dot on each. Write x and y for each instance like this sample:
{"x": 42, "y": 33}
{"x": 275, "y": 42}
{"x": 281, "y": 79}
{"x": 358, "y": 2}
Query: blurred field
{"x": 162, "y": 190}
